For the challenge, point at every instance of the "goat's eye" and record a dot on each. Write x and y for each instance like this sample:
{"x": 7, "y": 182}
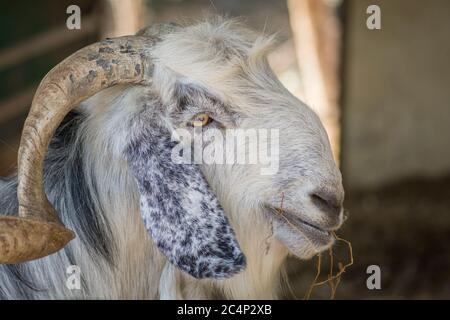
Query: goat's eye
{"x": 201, "y": 120}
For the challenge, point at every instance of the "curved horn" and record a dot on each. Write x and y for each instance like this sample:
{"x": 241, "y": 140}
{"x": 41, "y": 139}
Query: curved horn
{"x": 37, "y": 231}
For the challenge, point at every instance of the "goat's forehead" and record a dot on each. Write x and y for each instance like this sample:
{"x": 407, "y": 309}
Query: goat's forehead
{"x": 211, "y": 55}
{"x": 211, "y": 40}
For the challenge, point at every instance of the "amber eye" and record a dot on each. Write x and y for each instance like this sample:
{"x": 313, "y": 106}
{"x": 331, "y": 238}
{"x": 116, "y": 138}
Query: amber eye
{"x": 201, "y": 120}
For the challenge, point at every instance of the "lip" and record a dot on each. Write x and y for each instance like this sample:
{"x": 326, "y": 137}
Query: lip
{"x": 312, "y": 231}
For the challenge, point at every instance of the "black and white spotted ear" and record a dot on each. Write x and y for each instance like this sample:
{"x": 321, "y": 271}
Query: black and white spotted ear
{"x": 180, "y": 211}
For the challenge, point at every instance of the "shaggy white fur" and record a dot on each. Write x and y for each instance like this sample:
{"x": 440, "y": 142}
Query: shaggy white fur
{"x": 226, "y": 62}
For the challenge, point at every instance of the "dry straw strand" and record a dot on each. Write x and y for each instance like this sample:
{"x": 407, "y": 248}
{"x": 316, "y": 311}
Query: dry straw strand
{"x": 330, "y": 274}
{"x": 332, "y": 280}
{"x": 311, "y": 287}
{"x": 344, "y": 267}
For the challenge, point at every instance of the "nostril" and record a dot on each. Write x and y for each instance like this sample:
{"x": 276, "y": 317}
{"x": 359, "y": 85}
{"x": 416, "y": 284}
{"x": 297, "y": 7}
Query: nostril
{"x": 327, "y": 202}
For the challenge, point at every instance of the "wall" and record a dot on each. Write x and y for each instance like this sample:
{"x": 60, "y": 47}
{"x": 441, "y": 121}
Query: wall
{"x": 396, "y": 98}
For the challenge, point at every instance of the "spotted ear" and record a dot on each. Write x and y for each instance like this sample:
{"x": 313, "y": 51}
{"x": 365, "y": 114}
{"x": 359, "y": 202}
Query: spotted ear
{"x": 180, "y": 211}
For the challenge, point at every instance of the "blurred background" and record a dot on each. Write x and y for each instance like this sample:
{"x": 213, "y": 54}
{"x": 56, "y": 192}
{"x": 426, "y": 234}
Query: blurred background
{"x": 383, "y": 96}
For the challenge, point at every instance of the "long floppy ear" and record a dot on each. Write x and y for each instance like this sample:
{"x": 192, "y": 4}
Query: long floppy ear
{"x": 181, "y": 213}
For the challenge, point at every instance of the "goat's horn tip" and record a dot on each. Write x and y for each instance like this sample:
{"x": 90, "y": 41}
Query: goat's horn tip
{"x": 24, "y": 239}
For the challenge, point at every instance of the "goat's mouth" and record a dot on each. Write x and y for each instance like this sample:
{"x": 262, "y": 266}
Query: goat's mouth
{"x": 300, "y": 236}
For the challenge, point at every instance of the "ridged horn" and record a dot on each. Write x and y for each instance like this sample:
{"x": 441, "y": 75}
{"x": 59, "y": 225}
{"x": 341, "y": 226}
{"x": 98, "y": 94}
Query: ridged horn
{"x": 37, "y": 231}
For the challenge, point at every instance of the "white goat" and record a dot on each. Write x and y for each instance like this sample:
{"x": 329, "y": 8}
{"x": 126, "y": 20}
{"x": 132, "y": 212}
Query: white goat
{"x": 108, "y": 169}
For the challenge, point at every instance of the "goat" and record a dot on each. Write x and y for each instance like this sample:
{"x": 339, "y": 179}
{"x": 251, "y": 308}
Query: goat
{"x": 97, "y": 145}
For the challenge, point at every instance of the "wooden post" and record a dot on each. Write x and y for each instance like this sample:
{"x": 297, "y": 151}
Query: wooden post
{"x": 45, "y": 42}
{"x": 317, "y": 35}
{"x": 123, "y": 17}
